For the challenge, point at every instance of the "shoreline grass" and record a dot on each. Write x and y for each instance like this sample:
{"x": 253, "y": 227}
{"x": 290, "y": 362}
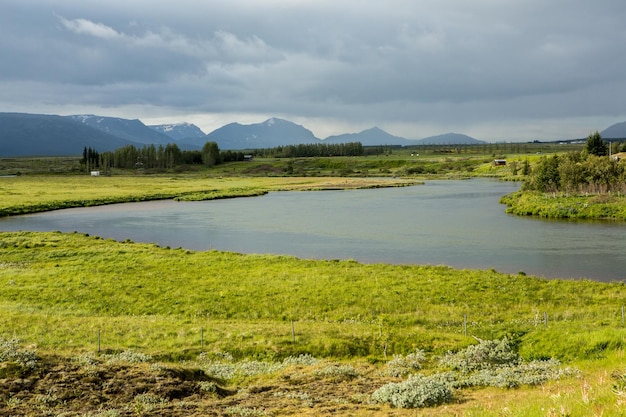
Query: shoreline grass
{"x": 31, "y": 194}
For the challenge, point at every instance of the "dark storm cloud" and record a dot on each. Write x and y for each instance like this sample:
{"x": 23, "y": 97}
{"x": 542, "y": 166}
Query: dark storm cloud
{"x": 424, "y": 67}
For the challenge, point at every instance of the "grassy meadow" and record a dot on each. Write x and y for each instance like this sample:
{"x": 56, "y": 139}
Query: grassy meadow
{"x": 36, "y": 193}
{"x": 79, "y": 296}
{"x": 149, "y": 330}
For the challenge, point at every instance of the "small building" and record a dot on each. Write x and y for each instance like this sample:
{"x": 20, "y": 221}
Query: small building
{"x": 95, "y": 173}
{"x": 248, "y": 158}
{"x": 499, "y": 162}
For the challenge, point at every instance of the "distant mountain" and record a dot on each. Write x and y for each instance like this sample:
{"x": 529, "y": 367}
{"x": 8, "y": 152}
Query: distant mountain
{"x": 449, "y": 139}
{"x": 23, "y": 134}
{"x": 616, "y": 131}
{"x": 132, "y": 130}
{"x": 269, "y": 134}
{"x": 370, "y": 137}
{"x": 179, "y": 131}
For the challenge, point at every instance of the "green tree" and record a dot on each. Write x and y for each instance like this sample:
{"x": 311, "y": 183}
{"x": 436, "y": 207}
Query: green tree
{"x": 210, "y": 154}
{"x": 572, "y": 173}
{"x": 546, "y": 175}
{"x": 596, "y": 146}
{"x": 173, "y": 155}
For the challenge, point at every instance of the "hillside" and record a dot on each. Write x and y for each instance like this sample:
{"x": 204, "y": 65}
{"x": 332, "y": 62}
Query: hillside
{"x": 370, "y": 137}
{"x": 179, "y": 131}
{"x": 24, "y": 134}
{"x": 450, "y": 139}
{"x": 268, "y": 134}
{"x": 131, "y": 130}
{"x": 616, "y": 131}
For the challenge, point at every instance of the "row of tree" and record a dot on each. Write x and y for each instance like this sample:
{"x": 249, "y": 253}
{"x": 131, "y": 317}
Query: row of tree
{"x": 588, "y": 171}
{"x": 161, "y": 157}
{"x": 170, "y": 155}
{"x": 314, "y": 150}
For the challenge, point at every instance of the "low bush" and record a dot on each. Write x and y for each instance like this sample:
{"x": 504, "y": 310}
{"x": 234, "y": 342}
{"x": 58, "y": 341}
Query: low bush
{"x": 416, "y": 392}
{"x": 16, "y": 360}
{"x": 487, "y": 354}
{"x": 403, "y": 365}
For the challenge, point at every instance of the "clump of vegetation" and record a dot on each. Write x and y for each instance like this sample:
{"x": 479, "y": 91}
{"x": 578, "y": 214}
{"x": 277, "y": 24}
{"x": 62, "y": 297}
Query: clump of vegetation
{"x": 222, "y": 365}
{"x": 416, "y": 392}
{"x": 490, "y": 363}
{"x": 487, "y": 354}
{"x": 496, "y": 363}
{"x": 585, "y": 184}
{"x": 403, "y": 365}
{"x": 15, "y": 360}
{"x": 127, "y": 356}
{"x": 337, "y": 372}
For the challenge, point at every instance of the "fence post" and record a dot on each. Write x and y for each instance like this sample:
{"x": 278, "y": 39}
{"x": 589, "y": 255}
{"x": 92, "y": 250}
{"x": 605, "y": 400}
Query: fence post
{"x": 98, "y": 340}
{"x": 545, "y": 319}
{"x": 622, "y": 315}
{"x": 202, "y": 338}
{"x": 293, "y": 333}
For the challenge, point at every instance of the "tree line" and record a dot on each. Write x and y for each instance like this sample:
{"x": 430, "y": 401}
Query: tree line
{"x": 588, "y": 171}
{"x": 314, "y": 150}
{"x": 157, "y": 157}
{"x": 171, "y": 156}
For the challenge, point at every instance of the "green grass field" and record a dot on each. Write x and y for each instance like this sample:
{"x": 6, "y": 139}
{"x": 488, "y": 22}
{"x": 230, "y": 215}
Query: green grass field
{"x": 100, "y": 314}
{"x": 73, "y": 295}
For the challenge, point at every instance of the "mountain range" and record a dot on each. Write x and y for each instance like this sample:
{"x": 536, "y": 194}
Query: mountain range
{"x": 24, "y": 134}
{"x": 616, "y": 131}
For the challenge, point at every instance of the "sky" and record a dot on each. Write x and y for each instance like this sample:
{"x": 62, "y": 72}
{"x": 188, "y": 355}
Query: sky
{"x": 496, "y": 70}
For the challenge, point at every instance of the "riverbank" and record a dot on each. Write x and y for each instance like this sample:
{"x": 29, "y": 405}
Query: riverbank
{"x": 31, "y": 194}
{"x": 564, "y": 206}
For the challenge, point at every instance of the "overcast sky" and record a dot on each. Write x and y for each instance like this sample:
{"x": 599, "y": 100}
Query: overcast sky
{"x": 497, "y": 70}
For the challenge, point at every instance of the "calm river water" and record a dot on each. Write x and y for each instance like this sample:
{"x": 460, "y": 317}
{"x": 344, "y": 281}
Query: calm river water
{"x": 456, "y": 223}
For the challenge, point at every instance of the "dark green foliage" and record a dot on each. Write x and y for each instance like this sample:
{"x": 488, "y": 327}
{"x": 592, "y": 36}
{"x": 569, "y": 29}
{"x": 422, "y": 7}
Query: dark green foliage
{"x": 595, "y": 145}
{"x": 577, "y": 172}
{"x": 546, "y": 175}
{"x": 210, "y": 154}
{"x": 314, "y": 150}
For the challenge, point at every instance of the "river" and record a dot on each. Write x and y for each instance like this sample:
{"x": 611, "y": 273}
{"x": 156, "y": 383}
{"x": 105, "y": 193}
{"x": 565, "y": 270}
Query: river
{"x": 455, "y": 223}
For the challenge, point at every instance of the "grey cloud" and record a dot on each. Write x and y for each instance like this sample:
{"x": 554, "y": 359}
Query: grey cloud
{"x": 450, "y": 62}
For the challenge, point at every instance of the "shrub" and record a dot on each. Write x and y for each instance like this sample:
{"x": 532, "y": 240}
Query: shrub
{"x": 403, "y": 365}
{"x": 223, "y": 371}
{"x": 127, "y": 356}
{"x": 304, "y": 359}
{"x": 416, "y": 392}
{"x": 253, "y": 368}
{"x": 495, "y": 364}
{"x": 16, "y": 359}
{"x": 487, "y": 354}
{"x": 532, "y": 373}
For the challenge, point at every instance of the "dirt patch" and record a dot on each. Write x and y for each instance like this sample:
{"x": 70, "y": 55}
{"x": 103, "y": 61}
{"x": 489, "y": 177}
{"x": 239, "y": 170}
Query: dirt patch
{"x": 60, "y": 386}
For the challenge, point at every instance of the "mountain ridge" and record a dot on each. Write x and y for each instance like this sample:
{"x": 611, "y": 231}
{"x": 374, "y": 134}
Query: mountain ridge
{"x": 130, "y": 129}
{"x": 179, "y": 131}
{"x": 26, "y": 134}
{"x": 615, "y": 131}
